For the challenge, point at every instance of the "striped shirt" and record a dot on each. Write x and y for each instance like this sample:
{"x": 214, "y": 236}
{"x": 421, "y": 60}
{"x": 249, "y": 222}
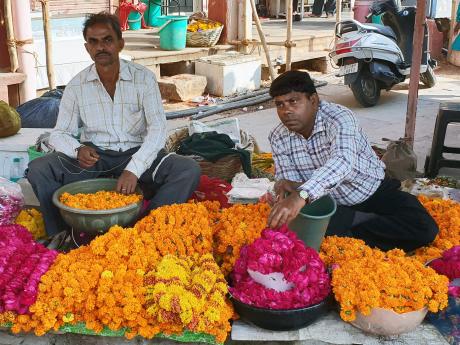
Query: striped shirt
{"x": 336, "y": 159}
{"x": 135, "y": 117}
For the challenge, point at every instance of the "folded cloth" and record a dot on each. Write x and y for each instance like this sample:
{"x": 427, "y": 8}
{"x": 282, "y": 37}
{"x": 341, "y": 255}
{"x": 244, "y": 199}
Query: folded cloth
{"x": 246, "y": 188}
{"x": 213, "y": 146}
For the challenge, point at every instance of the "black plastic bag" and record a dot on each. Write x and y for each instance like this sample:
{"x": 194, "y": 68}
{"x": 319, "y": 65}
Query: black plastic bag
{"x": 41, "y": 112}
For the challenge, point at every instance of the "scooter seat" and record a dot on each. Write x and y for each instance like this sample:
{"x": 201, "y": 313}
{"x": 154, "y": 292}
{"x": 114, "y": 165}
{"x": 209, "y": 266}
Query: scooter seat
{"x": 381, "y": 29}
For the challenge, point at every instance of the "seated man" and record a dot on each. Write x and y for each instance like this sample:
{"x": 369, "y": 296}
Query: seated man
{"x": 118, "y": 106}
{"x": 319, "y": 148}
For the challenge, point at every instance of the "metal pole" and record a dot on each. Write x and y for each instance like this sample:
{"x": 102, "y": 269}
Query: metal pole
{"x": 419, "y": 32}
{"x": 289, "y": 35}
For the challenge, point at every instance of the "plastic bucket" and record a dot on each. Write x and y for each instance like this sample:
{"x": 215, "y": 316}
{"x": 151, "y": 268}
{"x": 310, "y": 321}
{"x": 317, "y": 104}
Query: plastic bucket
{"x": 311, "y": 223}
{"x": 361, "y": 10}
{"x": 153, "y": 12}
{"x": 173, "y": 33}
{"x": 134, "y": 20}
{"x": 159, "y": 21}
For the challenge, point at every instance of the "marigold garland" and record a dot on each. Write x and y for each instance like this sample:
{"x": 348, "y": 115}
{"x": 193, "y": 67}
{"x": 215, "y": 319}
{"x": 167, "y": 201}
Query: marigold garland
{"x": 32, "y": 220}
{"x": 189, "y": 293}
{"x": 446, "y": 213}
{"x": 238, "y": 226}
{"x": 336, "y": 250}
{"x": 101, "y": 200}
{"x": 390, "y": 281}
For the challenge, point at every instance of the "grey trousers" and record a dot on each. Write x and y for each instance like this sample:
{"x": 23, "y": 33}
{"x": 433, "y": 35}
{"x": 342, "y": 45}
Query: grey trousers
{"x": 175, "y": 180}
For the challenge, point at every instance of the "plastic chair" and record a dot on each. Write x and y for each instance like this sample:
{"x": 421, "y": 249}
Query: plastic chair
{"x": 448, "y": 113}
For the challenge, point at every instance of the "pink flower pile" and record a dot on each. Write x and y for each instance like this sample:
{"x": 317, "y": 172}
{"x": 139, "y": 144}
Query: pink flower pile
{"x": 449, "y": 265}
{"x": 280, "y": 251}
{"x": 22, "y": 263}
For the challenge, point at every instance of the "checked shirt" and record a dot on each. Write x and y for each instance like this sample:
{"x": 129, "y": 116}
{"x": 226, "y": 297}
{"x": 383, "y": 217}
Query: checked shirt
{"x": 336, "y": 159}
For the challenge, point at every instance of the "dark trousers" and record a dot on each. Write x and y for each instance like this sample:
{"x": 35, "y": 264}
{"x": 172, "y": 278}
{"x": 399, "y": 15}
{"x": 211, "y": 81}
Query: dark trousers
{"x": 175, "y": 180}
{"x": 389, "y": 219}
{"x": 319, "y": 6}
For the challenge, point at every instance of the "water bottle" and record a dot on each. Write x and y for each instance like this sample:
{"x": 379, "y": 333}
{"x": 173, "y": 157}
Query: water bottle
{"x": 16, "y": 171}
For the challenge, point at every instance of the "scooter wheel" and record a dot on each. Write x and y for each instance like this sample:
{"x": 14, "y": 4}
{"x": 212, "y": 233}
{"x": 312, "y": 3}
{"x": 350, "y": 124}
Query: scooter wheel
{"x": 428, "y": 78}
{"x": 366, "y": 89}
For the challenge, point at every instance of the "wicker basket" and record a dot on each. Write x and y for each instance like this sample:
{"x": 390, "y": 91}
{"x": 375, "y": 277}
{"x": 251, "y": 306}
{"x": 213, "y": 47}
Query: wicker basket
{"x": 206, "y": 38}
{"x": 225, "y": 168}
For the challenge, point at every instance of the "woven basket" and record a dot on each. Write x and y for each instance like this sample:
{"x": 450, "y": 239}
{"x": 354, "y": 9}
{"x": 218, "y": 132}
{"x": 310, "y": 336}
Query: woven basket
{"x": 206, "y": 38}
{"x": 226, "y": 167}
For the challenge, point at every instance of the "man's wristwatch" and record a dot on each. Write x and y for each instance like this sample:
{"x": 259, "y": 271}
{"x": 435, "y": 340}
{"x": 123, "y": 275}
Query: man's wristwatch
{"x": 304, "y": 195}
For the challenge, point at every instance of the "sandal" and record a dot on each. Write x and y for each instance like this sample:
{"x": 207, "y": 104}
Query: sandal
{"x": 311, "y": 15}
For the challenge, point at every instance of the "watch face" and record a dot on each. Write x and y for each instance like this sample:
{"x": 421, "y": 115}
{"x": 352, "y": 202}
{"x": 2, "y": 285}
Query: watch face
{"x": 303, "y": 194}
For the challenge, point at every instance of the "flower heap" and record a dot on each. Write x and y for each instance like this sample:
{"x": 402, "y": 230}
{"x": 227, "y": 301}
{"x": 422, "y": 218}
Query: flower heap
{"x": 336, "y": 250}
{"x": 32, "y": 220}
{"x": 280, "y": 252}
{"x": 389, "y": 281}
{"x": 238, "y": 226}
{"x": 22, "y": 264}
{"x": 102, "y": 284}
{"x": 181, "y": 230}
{"x": 446, "y": 213}
{"x": 449, "y": 265}
{"x": 189, "y": 293}
{"x": 101, "y": 200}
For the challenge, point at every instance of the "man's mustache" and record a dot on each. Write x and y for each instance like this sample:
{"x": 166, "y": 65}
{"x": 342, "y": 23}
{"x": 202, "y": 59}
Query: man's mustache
{"x": 102, "y": 53}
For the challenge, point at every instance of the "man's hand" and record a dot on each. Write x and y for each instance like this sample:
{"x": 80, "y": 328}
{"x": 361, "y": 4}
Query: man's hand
{"x": 283, "y": 187}
{"x": 87, "y": 157}
{"x": 127, "y": 182}
{"x": 285, "y": 210}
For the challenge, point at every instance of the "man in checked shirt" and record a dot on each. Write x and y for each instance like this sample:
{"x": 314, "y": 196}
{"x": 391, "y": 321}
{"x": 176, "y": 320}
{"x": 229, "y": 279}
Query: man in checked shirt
{"x": 118, "y": 106}
{"x": 319, "y": 148}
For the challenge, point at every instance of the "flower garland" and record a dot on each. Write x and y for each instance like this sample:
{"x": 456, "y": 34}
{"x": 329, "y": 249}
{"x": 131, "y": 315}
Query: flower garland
{"x": 22, "y": 264}
{"x": 189, "y": 293}
{"x": 280, "y": 252}
{"x": 449, "y": 265}
{"x": 183, "y": 229}
{"x": 446, "y": 213}
{"x": 238, "y": 226}
{"x": 32, "y": 220}
{"x": 390, "y": 281}
{"x": 337, "y": 250}
{"x": 101, "y": 200}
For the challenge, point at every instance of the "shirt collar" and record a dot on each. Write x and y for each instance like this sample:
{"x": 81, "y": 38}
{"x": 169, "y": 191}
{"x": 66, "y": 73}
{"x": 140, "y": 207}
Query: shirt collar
{"x": 125, "y": 73}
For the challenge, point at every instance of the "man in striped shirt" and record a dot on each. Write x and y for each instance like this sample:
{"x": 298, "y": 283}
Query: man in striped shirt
{"x": 117, "y": 104}
{"x": 320, "y": 149}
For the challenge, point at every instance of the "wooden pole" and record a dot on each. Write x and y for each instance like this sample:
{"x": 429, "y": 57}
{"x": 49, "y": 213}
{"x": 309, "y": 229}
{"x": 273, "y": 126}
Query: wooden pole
{"x": 289, "y": 35}
{"x": 10, "y": 39}
{"x": 338, "y": 11}
{"x": 263, "y": 40}
{"x": 453, "y": 56}
{"x": 245, "y": 25}
{"x": 417, "y": 43}
{"x": 48, "y": 44}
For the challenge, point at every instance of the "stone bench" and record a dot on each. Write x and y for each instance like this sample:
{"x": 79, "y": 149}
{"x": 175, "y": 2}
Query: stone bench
{"x": 9, "y": 87}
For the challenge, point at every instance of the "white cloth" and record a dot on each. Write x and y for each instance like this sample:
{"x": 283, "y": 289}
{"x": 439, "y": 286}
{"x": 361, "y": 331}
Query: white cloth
{"x": 135, "y": 117}
{"x": 336, "y": 159}
{"x": 246, "y": 188}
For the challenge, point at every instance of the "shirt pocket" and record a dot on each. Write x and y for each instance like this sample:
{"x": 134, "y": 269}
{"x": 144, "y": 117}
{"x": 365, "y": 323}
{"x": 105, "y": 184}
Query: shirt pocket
{"x": 134, "y": 120}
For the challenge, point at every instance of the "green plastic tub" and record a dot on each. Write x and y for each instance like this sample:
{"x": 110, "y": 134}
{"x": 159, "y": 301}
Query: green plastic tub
{"x": 311, "y": 223}
{"x": 153, "y": 12}
{"x": 173, "y": 33}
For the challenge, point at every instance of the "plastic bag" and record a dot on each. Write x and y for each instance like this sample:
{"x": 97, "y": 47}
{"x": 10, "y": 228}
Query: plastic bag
{"x": 212, "y": 189}
{"x": 400, "y": 160}
{"x": 41, "y": 112}
{"x": 11, "y": 201}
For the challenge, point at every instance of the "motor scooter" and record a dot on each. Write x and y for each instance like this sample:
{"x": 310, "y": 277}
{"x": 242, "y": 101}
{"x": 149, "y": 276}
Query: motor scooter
{"x": 373, "y": 57}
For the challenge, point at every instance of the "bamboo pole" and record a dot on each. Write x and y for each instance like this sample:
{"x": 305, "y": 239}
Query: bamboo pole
{"x": 417, "y": 43}
{"x": 289, "y": 35}
{"x": 338, "y": 11}
{"x": 10, "y": 39}
{"x": 48, "y": 44}
{"x": 263, "y": 40}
